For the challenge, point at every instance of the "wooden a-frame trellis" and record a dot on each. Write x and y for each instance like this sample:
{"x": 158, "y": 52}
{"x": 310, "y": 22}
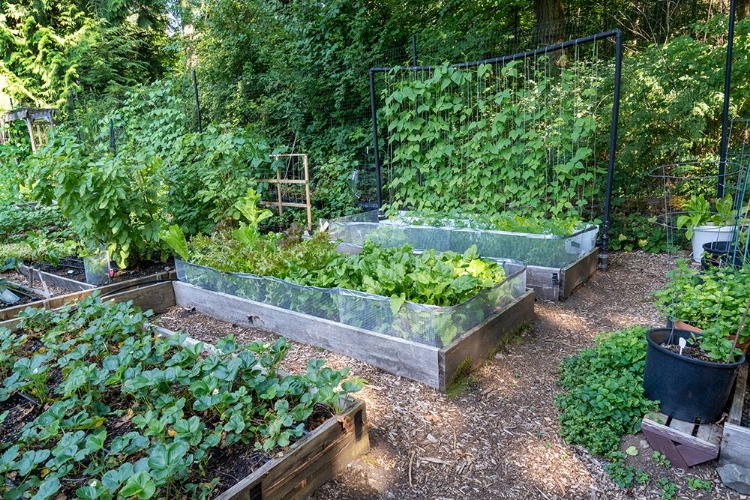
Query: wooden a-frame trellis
{"x": 292, "y": 185}
{"x": 38, "y": 121}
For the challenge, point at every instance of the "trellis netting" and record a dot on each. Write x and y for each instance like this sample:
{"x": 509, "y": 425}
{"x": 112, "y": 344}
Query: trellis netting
{"x": 431, "y": 325}
{"x": 532, "y": 133}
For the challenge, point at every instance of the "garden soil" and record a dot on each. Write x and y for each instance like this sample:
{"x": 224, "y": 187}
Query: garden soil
{"x": 498, "y": 437}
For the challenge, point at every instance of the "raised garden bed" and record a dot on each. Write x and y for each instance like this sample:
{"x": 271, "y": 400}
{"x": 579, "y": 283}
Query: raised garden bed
{"x": 431, "y": 345}
{"x": 72, "y": 276}
{"x": 310, "y": 460}
{"x": 8, "y": 313}
{"x": 735, "y": 442}
{"x": 556, "y": 265}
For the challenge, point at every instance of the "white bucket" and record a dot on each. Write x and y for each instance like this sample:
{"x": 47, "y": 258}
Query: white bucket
{"x": 709, "y": 234}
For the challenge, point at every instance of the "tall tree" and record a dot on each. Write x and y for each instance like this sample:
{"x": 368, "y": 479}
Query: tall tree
{"x": 49, "y": 49}
{"x": 550, "y": 18}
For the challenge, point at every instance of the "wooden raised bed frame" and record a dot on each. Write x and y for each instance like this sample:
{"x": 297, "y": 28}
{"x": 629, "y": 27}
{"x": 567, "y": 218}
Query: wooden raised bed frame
{"x": 434, "y": 366}
{"x": 551, "y": 283}
{"x": 79, "y": 290}
{"x": 309, "y": 462}
{"x": 735, "y": 442}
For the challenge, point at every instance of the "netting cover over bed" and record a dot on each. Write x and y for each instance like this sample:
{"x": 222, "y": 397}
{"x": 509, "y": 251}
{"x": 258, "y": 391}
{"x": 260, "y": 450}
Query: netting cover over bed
{"x": 430, "y": 325}
{"x": 544, "y": 250}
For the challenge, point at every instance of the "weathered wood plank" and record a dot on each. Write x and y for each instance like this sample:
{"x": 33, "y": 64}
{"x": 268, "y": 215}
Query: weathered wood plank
{"x": 476, "y": 345}
{"x": 710, "y": 434}
{"x": 158, "y": 297}
{"x": 677, "y": 442}
{"x": 735, "y": 441}
{"x": 545, "y": 281}
{"x": 740, "y": 386}
{"x": 398, "y": 356}
{"x": 552, "y": 283}
{"x": 735, "y": 445}
{"x": 51, "y": 303}
{"x": 578, "y": 272}
{"x": 309, "y": 462}
{"x": 9, "y": 313}
{"x": 686, "y": 428}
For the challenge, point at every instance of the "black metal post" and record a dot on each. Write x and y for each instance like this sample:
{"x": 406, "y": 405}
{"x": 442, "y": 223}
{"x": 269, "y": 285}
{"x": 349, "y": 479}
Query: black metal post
{"x": 416, "y": 101}
{"x": 725, "y": 115}
{"x": 197, "y": 102}
{"x": 112, "y": 141}
{"x": 374, "y": 110}
{"x": 604, "y": 255}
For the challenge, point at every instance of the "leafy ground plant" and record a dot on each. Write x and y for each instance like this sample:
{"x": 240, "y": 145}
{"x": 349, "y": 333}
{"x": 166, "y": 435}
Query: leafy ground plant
{"x": 604, "y": 391}
{"x": 119, "y": 412}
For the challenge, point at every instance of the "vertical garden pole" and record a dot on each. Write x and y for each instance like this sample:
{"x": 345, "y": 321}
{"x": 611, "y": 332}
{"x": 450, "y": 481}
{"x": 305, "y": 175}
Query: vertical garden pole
{"x": 725, "y": 115}
{"x": 604, "y": 255}
{"x": 197, "y": 102}
{"x": 374, "y": 111}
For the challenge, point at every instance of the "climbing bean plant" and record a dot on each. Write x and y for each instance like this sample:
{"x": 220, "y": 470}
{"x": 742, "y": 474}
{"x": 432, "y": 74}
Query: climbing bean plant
{"x": 493, "y": 139}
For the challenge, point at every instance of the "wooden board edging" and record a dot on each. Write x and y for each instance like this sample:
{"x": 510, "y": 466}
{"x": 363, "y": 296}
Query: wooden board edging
{"x": 396, "y": 355}
{"x": 578, "y": 272}
{"x": 309, "y": 462}
{"x": 474, "y": 347}
{"x": 735, "y": 441}
{"x": 9, "y": 313}
{"x": 557, "y": 284}
{"x": 158, "y": 297}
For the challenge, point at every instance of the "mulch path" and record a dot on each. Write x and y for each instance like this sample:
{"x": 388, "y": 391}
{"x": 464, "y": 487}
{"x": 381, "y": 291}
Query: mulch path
{"x": 498, "y": 438}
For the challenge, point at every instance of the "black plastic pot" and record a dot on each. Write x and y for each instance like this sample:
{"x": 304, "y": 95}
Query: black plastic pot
{"x": 687, "y": 388}
{"x": 720, "y": 254}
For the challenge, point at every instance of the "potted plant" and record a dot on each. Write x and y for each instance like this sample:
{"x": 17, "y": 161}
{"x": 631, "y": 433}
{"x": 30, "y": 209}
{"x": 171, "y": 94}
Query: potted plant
{"x": 705, "y": 225}
{"x": 690, "y": 373}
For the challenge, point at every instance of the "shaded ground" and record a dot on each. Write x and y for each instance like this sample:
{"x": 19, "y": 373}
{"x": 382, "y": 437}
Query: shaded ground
{"x": 498, "y": 438}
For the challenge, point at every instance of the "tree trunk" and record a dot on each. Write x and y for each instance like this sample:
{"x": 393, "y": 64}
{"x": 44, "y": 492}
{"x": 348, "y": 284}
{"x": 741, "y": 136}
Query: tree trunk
{"x": 742, "y": 9}
{"x": 550, "y": 21}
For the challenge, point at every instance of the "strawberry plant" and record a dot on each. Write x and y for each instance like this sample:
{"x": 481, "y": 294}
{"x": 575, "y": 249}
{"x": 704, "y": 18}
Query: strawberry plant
{"x": 130, "y": 414}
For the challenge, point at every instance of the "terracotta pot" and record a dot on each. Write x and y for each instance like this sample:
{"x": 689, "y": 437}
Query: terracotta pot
{"x": 681, "y": 325}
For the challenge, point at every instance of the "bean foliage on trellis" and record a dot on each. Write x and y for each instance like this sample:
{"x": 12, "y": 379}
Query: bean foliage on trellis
{"x": 528, "y": 136}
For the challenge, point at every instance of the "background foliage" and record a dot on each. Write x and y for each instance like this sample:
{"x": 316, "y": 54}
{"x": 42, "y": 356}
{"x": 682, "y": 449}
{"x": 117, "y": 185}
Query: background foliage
{"x": 296, "y": 72}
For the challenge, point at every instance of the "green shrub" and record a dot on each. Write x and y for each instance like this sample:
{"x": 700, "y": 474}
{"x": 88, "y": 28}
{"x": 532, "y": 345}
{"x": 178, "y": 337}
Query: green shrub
{"x": 604, "y": 391}
{"x": 208, "y": 172}
{"x": 109, "y": 200}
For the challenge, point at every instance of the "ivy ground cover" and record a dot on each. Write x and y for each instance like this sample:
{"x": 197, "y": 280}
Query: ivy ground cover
{"x": 94, "y": 405}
